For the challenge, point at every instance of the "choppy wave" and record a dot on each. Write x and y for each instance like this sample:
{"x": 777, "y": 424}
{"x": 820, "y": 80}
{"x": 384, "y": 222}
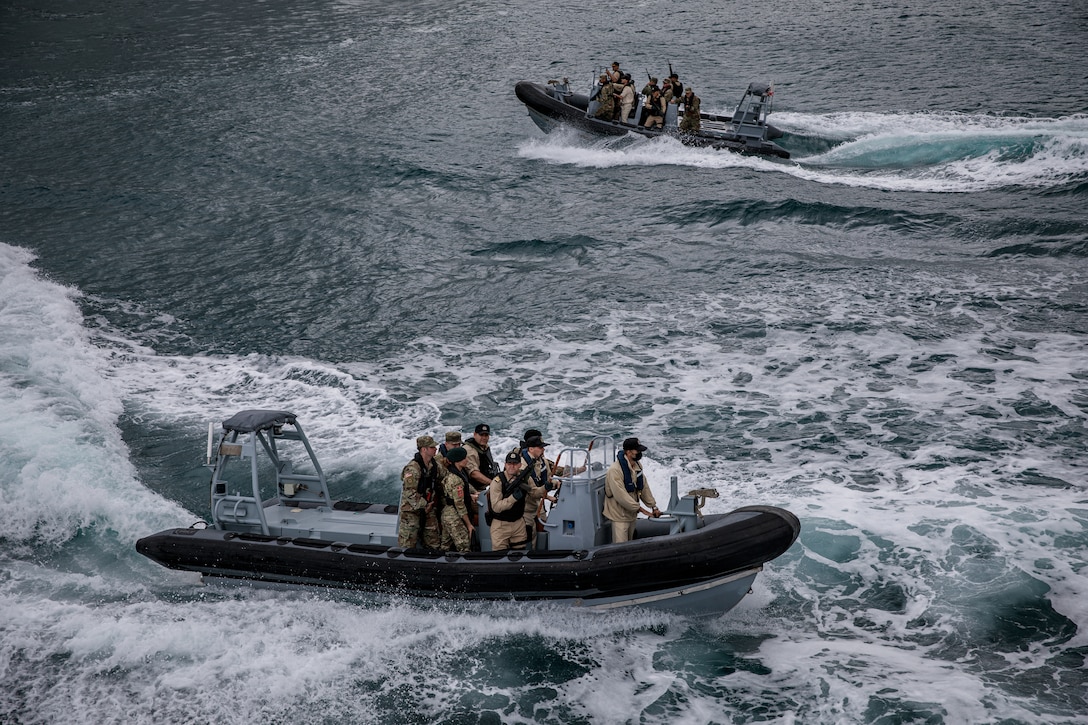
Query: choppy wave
{"x": 926, "y": 152}
{"x": 912, "y": 452}
{"x": 64, "y": 470}
{"x": 905, "y": 371}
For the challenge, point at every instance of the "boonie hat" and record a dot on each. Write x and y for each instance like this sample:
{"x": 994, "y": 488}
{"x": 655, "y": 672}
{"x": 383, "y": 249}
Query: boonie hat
{"x": 425, "y": 442}
{"x": 632, "y": 444}
{"x": 534, "y": 442}
{"x": 456, "y": 454}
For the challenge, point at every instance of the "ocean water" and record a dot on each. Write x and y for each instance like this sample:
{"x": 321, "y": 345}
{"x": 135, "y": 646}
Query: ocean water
{"x": 341, "y": 209}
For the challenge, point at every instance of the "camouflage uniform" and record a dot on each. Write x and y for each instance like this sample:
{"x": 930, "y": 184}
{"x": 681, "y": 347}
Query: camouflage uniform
{"x": 608, "y": 102}
{"x": 691, "y": 112}
{"x": 413, "y": 509}
{"x": 453, "y": 440}
{"x": 455, "y": 534}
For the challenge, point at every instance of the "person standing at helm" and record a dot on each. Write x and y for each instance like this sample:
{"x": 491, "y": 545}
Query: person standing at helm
{"x": 625, "y": 490}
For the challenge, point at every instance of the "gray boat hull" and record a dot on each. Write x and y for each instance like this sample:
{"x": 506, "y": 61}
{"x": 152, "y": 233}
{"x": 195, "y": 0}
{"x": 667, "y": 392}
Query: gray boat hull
{"x": 550, "y": 109}
{"x": 682, "y": 561}
{"x": 703, "y": 572}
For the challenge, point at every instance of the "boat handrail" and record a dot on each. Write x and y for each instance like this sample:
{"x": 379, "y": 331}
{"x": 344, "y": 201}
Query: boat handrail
{"x": 299, "y": 477}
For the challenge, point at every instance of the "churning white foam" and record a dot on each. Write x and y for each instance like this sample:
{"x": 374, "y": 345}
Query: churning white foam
{"x": 926, "y": 152}
{"x": 64, "y": 469}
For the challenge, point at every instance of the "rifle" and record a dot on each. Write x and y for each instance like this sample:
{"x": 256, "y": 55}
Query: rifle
{"x": 520, "y": 481}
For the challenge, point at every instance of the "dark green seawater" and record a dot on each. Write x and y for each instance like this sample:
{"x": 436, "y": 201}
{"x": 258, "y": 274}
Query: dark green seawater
{"x": 341, "y": 209}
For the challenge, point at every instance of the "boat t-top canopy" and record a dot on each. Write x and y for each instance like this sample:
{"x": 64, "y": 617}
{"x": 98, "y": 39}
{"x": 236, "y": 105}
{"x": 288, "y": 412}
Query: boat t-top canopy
{"x": 251, "y": 421}
{"x": 760, "y": 89}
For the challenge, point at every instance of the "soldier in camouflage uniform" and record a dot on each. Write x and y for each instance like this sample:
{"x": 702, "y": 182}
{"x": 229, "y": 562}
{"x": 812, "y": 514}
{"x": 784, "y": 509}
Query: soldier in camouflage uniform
{"x": 420, "y": 498}
{"x": 458, "y": 496}
{"x": 606, "y": 97}
{"x": 691, "y": 120}
{"x": 453, "y": 440}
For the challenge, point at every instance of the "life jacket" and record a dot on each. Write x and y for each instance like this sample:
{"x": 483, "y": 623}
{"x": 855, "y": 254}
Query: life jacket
{"x": 691, "y": 110}
{"x": 540, "y": 479}
{"x": 487, "y": 463}
{"x": 428, "y": 481}
{"x": 514, "y": 513}
{"x": 465, "y": 488}
{"x": 631, "y": 483}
